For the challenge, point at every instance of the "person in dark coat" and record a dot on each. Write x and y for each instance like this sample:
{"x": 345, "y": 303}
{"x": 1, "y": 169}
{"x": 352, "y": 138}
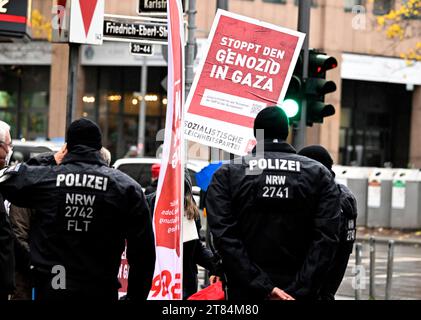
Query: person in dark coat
{"x": 347, "y": 228}
{"x": 274, "y": 217}
{"x": 20, "y": 219}
{"x": 84, "y": 213}
{"x": 154, "y": 179}
{"x": 7, "y": 259}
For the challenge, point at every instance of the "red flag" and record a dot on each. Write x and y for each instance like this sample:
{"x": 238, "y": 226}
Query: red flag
{"x": 167, "y": 282}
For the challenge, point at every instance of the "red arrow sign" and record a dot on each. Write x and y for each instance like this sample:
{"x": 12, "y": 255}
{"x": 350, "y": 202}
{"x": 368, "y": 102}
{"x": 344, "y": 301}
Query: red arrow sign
{"x": 88, "y": 8}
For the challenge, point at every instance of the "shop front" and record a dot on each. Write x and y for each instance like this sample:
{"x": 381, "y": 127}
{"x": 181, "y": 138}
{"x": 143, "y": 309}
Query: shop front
{"x": 113, "y": 96}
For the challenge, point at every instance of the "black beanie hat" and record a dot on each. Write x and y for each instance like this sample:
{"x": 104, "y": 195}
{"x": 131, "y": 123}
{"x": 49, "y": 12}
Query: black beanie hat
{"x": 318, "y": 153}
{"x": 84, "y": 132}
{"x": 274, "y": 121}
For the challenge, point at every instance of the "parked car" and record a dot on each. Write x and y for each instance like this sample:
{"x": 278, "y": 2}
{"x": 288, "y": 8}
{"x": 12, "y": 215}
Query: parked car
{"x": 24, "y": 150}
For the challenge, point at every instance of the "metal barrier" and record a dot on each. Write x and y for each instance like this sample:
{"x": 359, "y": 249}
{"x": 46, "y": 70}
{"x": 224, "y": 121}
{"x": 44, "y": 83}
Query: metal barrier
{"x": 358, "y": 268}
{"x": 390, "y": 256}
{"x": 372, "y": 295}
{"x": 372, "y": 278}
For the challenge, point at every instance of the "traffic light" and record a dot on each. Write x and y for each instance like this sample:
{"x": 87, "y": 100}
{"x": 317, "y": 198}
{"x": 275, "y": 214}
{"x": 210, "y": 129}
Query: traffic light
{"x": 317, "y": 87}
{"x": 292, "y": 101}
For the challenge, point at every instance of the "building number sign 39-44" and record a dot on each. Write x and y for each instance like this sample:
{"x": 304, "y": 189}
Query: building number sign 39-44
{"x": 141, "y": 49}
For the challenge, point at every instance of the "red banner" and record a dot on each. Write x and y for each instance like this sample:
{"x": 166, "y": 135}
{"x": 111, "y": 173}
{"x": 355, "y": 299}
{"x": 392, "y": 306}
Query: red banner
{"x": 123, "y": 274}
{"x": 167, "y": 282}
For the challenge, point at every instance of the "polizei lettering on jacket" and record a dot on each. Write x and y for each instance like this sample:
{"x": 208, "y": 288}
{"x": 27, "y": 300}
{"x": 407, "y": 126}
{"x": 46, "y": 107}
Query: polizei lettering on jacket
{"x": 275, "y": 164}
{"x": 82, "y": 180}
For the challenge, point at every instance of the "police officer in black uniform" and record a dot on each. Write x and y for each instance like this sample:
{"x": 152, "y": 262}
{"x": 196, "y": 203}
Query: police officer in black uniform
{"x": 274, "y": 216}
{"x": 7, "y": 259}
{"x": 347, "y": 227}
{"x": 85, "y": 211}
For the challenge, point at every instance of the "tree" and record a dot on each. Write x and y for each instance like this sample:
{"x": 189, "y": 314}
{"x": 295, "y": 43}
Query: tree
{"x": 399, "y": 25}
{"x": 41, "y": 27}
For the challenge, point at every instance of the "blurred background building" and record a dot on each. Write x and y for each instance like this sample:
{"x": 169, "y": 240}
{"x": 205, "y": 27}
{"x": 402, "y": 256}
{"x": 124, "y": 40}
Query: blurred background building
{"x": 378, "y": 101}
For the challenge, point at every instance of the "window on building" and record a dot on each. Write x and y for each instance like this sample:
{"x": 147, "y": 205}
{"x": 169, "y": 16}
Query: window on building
{"x": 350, "y": 4}
{"x": 373, "y": 131}
{"x": 382, "y": 7}
{"x": 112, "y": 98}
{"x": 24, "y": 100}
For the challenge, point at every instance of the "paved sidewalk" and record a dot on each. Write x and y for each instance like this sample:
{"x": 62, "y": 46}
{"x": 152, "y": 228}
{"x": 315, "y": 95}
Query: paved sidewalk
{"x": 384, "y": 235}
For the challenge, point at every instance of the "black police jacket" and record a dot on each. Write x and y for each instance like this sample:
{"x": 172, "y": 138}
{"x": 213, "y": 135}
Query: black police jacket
{"x": 349, "y": 215}
{"x": 85, "y": 211}
{"x": 347, "y": 236}
{"x": 7, "y": 258}
{"x": 275, "y": 222}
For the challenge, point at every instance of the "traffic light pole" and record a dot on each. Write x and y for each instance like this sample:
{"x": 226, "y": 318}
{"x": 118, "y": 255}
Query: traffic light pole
{"x": 222, "y": 4}
{"x": 304, "y": 8}
{"x": 191, "y": 44}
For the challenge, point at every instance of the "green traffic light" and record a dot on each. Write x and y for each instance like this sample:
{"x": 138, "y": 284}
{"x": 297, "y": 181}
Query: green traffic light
{"x": 291, "y": 107}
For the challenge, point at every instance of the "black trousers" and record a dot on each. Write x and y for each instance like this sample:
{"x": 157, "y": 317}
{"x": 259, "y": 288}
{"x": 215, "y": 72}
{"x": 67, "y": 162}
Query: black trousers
{"x": 336, "y": 271}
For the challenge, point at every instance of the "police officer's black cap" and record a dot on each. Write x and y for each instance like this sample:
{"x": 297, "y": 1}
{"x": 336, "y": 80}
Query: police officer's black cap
{"x": 84, "y": 132}
{"x": 318, "y": 153}
{"x": 274, "y": 121}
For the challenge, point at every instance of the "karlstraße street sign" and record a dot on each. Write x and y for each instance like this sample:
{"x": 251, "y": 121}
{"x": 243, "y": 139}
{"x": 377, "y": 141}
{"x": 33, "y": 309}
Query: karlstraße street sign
{"x": 155, "y": 7}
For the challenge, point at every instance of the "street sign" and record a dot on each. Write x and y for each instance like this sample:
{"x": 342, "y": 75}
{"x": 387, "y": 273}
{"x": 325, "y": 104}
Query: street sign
{"x": 154, "y": 7}
{"x": 141, "y": 49}
{"x": 15, "y": 17}
{"x": 144, "y": 30}
{"x": 86, "y": 21}
{"x": 135, "y": 29}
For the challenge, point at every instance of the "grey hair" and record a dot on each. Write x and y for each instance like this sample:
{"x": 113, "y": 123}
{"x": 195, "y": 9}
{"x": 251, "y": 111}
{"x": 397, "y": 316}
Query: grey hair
{"x": 106, "y": 155}
{"x": 4, "y": 129}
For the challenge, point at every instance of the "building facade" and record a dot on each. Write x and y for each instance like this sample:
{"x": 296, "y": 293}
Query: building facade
{"x": 378, "y": 101}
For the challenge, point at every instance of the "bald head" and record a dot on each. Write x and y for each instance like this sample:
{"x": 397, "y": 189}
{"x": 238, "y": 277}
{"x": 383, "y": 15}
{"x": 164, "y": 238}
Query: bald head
{"x": 4, "y": 131}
